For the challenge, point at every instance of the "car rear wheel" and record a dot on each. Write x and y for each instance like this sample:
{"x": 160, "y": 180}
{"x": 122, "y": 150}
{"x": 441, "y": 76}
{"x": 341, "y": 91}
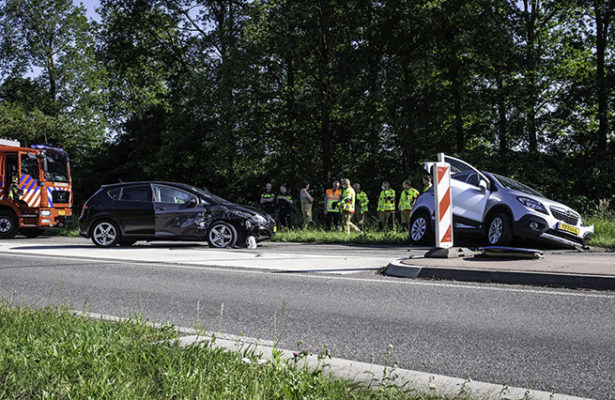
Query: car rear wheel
{"x": 421, "y": 231}
{"x": 105, "y": 233}
{"x": 8, "y": 224}
{"x": 499, "y": 230}
{"x": 221, "y": 235}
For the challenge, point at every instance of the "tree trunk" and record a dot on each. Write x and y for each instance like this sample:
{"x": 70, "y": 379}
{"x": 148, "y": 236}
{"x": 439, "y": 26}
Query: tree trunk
{"x": 502, "y": 121}
{"x": 530, "y": 15}
{"x": 325, "y": 95}
{"x": 601, "y": 89}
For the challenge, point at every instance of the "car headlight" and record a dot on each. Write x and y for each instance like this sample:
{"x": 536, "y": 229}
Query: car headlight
{"x": 533, "y": 204}
{"x": 45, "y": 213}
{"x": 259, "y": 219}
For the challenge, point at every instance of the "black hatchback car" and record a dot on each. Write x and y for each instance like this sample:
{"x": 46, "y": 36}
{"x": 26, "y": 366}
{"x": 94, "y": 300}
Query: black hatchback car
{"x": 123, "y": 213}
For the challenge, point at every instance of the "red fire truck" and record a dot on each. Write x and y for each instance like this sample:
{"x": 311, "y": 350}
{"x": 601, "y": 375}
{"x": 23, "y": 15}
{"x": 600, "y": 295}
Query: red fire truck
{"x": 35, "y": 189}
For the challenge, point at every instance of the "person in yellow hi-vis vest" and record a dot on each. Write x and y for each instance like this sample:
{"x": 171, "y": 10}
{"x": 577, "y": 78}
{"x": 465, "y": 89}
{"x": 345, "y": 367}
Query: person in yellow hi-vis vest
{"x": 406, "y": 201}
{"x": 346, "y": 205}
{"x": 361, "y": 204}
{"x": 426, "y": 183}
{"x": 386, "y": 206}
{"x": 13, "y": 189}
{"x": 332, "y": 197}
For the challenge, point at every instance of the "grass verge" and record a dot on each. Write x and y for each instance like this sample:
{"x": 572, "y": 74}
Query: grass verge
{"x": 321, "y": 236}
{"x": 51, "y": 353}
{"x": 604, "y": 229}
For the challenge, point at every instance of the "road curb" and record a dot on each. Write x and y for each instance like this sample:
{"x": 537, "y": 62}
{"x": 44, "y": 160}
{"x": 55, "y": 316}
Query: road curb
{"x": 355, "y": 371}
{"x": 571, "y": 281}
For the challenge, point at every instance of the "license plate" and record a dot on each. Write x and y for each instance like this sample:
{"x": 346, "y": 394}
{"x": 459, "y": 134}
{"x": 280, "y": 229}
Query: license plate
{"x": 61, "y": 212}
{"x": 568, "y": 228}
{"x": 275, "y": 229}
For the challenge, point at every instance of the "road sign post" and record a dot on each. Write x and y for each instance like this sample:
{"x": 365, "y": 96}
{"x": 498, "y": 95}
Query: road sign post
{"x": 443, "y": 203}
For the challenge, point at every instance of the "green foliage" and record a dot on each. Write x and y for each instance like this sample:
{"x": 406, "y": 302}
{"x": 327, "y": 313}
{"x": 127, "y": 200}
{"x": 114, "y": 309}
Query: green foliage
{"x": 51, "y": 353}
{"x": 232, "y": 94}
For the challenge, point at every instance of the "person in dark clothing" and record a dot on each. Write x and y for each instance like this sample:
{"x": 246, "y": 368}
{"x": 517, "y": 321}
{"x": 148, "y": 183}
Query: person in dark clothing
{"x": 268, "y": 200}
{"x": 284, "y": 203}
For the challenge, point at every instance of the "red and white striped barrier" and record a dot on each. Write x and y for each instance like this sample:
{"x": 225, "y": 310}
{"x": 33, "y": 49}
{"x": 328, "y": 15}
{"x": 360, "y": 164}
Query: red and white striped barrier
{"x": 444, "y": 204}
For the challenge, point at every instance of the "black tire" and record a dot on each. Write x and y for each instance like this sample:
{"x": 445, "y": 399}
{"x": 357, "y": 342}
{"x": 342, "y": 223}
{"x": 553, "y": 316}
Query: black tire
{"x": 127, "y": 243}
{"x": 421, "y": 230}
{"x": 105, "y": 233}
{"x": 221, "y": 235}
{"x": 8, "y": 224}
{"x": 499, "y": 230}
{"x": 31, "y": 233}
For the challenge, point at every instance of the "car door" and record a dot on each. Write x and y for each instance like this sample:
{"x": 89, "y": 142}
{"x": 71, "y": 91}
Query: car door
{"x": 135, "y": 210}
{"x": 179, "y": 213}
{"x": 469, "y": 197}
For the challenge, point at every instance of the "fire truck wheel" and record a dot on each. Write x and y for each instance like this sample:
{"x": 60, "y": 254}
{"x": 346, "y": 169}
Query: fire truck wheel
{"x": 105, "y": 233}
{"x": 8, "y": 224}
{"x": 31, "y": 233}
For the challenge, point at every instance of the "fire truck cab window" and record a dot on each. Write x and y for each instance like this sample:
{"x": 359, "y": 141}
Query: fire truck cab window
{"x": 29, "y": 165}
{"x": 137, "y": 193}
{"x": 57, "y": 167}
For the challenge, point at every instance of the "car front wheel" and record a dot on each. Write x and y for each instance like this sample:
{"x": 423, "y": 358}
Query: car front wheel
{"x": 105, "y": 233}
{"x": 421, "y": 231}
{"x": 499, "y": 230}
{"x": 221, "y": 235}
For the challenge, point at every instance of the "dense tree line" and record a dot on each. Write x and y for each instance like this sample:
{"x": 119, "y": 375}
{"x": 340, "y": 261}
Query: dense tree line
{"x": 232, "y": 93}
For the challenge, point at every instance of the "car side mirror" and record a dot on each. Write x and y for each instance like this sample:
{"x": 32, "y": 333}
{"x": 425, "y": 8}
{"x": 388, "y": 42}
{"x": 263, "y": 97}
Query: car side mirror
{"x": 484, "y": 186}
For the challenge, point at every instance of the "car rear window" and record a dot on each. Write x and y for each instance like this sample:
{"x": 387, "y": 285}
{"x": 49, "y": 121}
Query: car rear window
{"x": 137, "y": 193}
{"x": 114, "y": 194}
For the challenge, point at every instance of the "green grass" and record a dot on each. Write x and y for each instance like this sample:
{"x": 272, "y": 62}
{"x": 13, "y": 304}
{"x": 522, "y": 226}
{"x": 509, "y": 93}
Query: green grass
{"x": 51, "y": 353}
{"x": 604, "y": 229}
{"x": 321, "y": 236}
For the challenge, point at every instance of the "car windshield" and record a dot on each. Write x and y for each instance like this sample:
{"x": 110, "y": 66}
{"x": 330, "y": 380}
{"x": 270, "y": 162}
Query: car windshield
{"x": 209, "y": 196}
{"x": 56, "y": 167}
{"x": 514, "y": 185}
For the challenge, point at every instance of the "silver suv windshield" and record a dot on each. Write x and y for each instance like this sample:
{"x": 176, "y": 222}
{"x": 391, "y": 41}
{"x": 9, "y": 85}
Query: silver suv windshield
{"x": 514, "y": 185}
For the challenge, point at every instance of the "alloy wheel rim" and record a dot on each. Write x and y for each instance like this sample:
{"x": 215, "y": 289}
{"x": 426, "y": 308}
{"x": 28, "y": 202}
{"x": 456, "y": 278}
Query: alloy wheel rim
{"x": 220, "y": 236}
{"x": 105, "y": 234}
{"x": 495, "y": 230}
{"x": 5, "y": 224}
{"x": 418, "y": 229}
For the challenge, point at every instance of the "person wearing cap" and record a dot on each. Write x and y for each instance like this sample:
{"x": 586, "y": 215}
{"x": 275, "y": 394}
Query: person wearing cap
{"x": 346, "y": 206}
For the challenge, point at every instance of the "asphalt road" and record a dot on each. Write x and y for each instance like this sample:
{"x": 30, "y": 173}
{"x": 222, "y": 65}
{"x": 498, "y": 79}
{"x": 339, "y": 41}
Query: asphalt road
{"x": 520, "y": 336}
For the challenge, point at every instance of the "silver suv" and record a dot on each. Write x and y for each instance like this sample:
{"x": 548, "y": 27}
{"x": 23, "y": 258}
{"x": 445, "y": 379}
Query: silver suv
{"x": 499, "y": 207}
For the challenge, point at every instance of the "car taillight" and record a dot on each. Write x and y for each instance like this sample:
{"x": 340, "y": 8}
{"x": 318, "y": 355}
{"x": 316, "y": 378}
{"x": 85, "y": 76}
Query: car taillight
{"x": 85, "y": 207}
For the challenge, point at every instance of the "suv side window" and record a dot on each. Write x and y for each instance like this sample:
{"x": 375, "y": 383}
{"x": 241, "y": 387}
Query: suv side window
{"x": 166, "y": 194}
{"x": 473, "y": 179}
{"x": 137, "y": 193}
{"x": 114, "y": 194}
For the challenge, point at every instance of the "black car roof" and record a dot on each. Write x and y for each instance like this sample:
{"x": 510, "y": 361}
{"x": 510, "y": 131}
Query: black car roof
{"x": 124, "y": 184}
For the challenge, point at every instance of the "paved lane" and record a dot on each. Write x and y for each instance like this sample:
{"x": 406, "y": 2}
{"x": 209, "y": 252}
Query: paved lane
{"x": 501, "y": 334}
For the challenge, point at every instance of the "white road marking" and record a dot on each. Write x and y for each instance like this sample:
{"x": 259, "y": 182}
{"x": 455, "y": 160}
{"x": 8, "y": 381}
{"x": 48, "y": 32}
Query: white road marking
{"x": 408, "y": 282}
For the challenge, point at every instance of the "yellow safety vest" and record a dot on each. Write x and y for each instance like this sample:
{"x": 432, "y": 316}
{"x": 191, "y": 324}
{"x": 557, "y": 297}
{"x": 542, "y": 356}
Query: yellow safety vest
{"x": 348, "y": 199}
{"x": 332, "y": 199}
{"x": 407, "y": 198}
{"x": 363, "y": 201}
{"x": 386, "y": 201}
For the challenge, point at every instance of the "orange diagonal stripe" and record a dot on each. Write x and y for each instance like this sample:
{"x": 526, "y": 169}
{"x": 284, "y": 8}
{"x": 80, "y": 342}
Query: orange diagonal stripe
{"x": 447, "y": 235}
{"x": 441, "y": 172}
{"x": 445, "y": 203}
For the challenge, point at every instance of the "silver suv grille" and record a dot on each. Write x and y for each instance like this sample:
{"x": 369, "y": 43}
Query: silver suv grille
{"x": 568, "y": 217}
